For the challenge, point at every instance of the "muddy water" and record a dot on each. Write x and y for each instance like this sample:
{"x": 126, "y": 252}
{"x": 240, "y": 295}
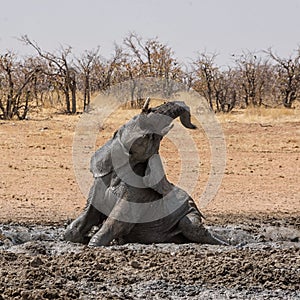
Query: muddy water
{"x": 263, "y": 262}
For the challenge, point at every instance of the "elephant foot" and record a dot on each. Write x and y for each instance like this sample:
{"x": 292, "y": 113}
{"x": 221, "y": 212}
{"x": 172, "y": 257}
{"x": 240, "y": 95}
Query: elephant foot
{"x": 100, "y": 239}
{"x": 193, "y": 229}
{"x": 74, "y": 236}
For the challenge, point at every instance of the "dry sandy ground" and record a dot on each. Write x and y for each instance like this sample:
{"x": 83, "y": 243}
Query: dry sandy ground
{"x": 260, "y": 188}
{"x": 37, "y": 181}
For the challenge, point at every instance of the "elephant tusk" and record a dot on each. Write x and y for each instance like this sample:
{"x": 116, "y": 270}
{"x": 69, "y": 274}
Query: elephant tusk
{"x": 146, "y": 105}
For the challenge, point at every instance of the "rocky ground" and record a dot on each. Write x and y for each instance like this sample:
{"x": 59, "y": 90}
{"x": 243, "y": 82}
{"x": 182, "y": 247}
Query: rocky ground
{"x": 257, "y": 209}
{"x": 263, "y": 262}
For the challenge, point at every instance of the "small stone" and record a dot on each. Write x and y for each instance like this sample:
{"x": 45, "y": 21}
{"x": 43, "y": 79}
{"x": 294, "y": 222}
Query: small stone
{"x": 295, "y": 239}
{"x": 135, "y": 264}
{"x": 36, "y": 262}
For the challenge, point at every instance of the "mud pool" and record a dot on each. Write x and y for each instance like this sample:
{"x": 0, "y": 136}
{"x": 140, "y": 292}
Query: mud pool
{"x": 263, "y": 262}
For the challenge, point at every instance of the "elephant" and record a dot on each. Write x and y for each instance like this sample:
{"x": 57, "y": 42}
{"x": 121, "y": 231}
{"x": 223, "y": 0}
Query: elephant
{"x": 131, "y": 199}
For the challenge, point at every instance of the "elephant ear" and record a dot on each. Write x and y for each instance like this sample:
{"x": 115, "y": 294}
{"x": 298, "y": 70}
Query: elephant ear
{"x": 101, "y": 162}
{"x": 115, "y": 153}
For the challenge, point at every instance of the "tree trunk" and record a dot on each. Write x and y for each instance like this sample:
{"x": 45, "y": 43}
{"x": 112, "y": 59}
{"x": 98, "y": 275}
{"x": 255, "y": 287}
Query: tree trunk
{"x": 68, "y": 105}
{"x": 289, "y": 98}
{"x": 73, "y": 91}
{"x": 87, "y": 93}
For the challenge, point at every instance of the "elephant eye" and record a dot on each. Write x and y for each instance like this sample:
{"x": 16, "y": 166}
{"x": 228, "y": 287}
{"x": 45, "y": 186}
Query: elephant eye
{"x": 146, "y": 136}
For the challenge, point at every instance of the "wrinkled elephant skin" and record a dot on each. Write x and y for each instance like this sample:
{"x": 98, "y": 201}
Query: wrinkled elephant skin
{"x": 131, "y": 199}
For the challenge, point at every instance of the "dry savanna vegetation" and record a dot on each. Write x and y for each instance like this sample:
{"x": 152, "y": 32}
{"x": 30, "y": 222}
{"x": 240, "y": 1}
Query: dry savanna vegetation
{"x": 256, "y": 101}
{"x": 66, "y": 81}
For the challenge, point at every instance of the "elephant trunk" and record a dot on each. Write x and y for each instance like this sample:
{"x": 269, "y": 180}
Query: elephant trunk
{"x": 175, "y": 109}
{"x": 185, "y": 119}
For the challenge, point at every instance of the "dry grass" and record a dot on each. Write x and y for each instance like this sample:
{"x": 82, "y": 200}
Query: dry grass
{"x": 246, "y": 116}
{"x": 261, "y": 115}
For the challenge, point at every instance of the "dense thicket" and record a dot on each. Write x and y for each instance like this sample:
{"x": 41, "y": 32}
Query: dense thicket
{"x": 254, "y": 79}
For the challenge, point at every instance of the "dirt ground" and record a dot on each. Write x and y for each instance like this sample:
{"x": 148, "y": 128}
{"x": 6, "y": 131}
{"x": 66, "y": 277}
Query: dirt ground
{"x": 260, "y": 187}
{"x": 37, "y": 181}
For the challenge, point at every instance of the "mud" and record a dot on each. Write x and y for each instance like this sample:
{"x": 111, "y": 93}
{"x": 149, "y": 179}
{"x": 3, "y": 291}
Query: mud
{"x": 257, "y": 204}
{"x": 263, "y": 262}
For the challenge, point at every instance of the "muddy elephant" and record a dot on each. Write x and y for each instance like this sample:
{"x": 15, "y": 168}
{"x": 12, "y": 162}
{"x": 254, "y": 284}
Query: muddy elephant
{"x": 131, "y": 199}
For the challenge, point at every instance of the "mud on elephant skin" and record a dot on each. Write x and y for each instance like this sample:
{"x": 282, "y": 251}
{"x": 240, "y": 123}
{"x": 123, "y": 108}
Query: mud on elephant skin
{"x": 131, "y": 199}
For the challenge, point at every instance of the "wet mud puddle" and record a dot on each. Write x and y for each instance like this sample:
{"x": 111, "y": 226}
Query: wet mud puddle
{"x": 14, "y": 237}
{"x": 263, "y": 262}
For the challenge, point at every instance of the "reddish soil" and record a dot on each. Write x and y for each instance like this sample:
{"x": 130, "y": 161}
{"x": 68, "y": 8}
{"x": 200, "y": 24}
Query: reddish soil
{"x": 38, "y": 184}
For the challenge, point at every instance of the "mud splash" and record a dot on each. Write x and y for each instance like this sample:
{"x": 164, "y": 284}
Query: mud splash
{"x": 14, "y": 236}
{"x": 262, "y": 263}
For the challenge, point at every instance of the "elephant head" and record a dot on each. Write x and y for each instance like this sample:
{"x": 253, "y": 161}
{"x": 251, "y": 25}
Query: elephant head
{"x": 139, "y": 139}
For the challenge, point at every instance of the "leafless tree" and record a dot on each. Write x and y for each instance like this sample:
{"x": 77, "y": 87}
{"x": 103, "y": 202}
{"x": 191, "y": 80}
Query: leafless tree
{"x": 16, "y": 85}
{"x": 151, "y": 58}
{"x": 253, "y": 76}
{"x": 106, "y": 72}
{"x": 62, "y": 69}
{"x": 225, "y": 91}
{"x": 87, "y": 63}
{"x": 288, "y": 70}
{"x": 206, "y": 74}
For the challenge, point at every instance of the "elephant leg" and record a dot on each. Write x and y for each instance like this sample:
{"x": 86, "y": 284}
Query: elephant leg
{"x": 193, "y": 229}
{"x": 115, "y": 225}
{"x": 110, "y": 230}
{"x": 77, "y": 231}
